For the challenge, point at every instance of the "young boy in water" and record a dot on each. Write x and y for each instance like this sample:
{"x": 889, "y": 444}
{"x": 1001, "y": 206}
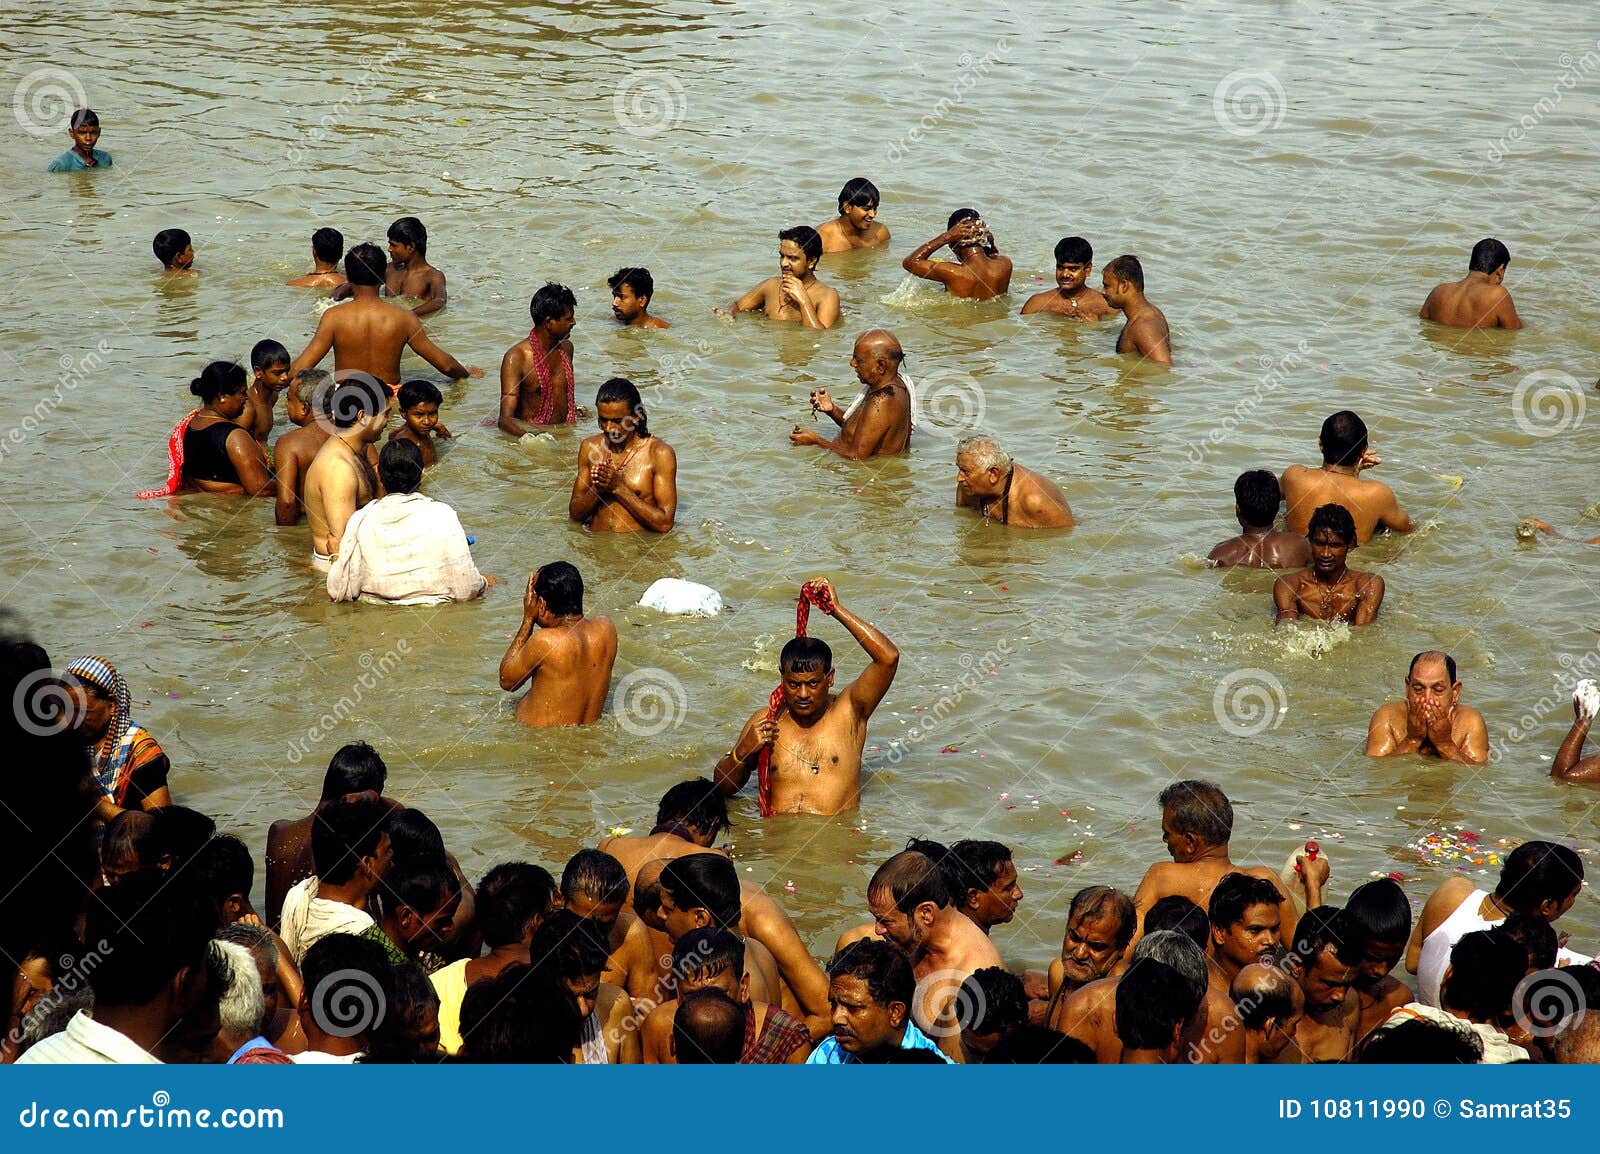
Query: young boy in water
{"x": 1072, "y": 297}
{"x": 419, "y": 405}
{"x": 294, "y": 451}
{"x": 269, "y": 361}
{"x": 857, "y": 225}
{"x": 84, "y": 129}
{"x": 175, "y": 252}
{"x": 327, "y": 250}
{"x": 631, "y": 293}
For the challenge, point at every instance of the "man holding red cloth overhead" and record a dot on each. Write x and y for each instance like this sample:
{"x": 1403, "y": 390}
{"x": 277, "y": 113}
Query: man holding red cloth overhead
{"x": 808, "y": 739}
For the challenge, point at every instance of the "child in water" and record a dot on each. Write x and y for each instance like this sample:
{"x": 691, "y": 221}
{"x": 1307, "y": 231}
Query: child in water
{"x": 175, "y": 252}
{"x": 84, "y": 129}
{"x": 419, "y": 405}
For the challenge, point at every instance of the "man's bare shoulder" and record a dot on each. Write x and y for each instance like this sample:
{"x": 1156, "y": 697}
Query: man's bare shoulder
{"x": 1390, "y": 713}
{"x": 661, "y": 453}
{"x": 604, "y": 626}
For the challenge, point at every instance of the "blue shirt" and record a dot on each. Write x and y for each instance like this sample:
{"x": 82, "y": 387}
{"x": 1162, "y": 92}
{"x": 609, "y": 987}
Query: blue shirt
{"x": 830, "y": 1053}
{"x": 70, "y": 161}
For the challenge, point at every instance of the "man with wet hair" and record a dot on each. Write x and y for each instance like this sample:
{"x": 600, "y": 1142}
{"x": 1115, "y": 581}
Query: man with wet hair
{"x": 294, "y": 451}
{"x": 341, "y": 477}
{"x": 1146, "y": 332}
{"x": 1196, "y": 825}
{"x": 1431, "y": 720}
{"x": 1246, "y": 917}
{"x": 689, "y": 819}
{"x": 537, "y": 387}
{"x": 1538, "y": 877}
{"x": 632, "y": 289}
{"x": 594, "y": 886}
{"x": 1256, "y": 497}
{"x": 569, "y": 659}
{"x": 369, "y": 334}
{"x": 1072, "y": 297}
{"x": 990, "y": 481}
{"x": 1381, "y": 913}
{"x": 795, "y": 294}
{"x": 1478, "y": 300}
{"x": 708, "y": 1029}
{"x": 978, "y": 273}
{"x": 819, "y": 735}
{"x": 572, "y": 949}
{"x": 857, "y": 225}
{"x": 1100, "y": 924}
{"x": 1346, "y": 453}
{"x": 1155, "y": 1009}
{"x": 880, "y": 421}
{"x": 1328, "y": 589}
{"x": 1269, "y": 1006}
{"x": 1089, "y": 1014}
{"x": 1324, "y": 958}
{"x": 355, "y": 769}
{"x": 983, "y": 882}
{"x": 627, "y": 478}
{"x": 702, "y": 890}
{"x": 991, "y": 1004}
{"x": 711, "y": 958}
{"x": 911, "y": 909}
{"x": 327, "y": 250}
{"x": 870, "y": 990}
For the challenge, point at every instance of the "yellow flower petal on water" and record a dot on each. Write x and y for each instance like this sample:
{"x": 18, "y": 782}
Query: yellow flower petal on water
{"x": 1453, "y": 481}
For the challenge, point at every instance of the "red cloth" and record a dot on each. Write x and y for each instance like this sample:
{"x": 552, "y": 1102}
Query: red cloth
{"x": 541, "y": 369}
{"x": 811, "y": 593}
{"x": 175, "y": 462}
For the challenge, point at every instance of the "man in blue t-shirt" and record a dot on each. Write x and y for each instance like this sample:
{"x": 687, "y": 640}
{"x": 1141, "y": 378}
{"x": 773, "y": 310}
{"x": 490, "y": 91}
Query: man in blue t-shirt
{"x": 85, "y": 132}
{"x": 870, "y": 988}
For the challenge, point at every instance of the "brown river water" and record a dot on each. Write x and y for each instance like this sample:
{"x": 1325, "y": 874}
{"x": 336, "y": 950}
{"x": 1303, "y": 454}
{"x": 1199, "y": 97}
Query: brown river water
{"x": 1293, "y": 175}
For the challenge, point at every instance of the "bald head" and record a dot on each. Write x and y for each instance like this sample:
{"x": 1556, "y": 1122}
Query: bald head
{"x": 1430, "y": 665}
{"x": 647, "y": 893}
{"x": 1264, "y": 993}
{"x": 708, "y": 1028}
{"x": 877, "y": 357}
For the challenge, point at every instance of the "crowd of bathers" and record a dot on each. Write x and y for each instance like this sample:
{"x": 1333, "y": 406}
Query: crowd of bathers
{"x": 131, "y": 926}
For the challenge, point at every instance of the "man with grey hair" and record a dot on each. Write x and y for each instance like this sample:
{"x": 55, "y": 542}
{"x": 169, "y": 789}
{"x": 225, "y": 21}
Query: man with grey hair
{"x": 242, "y": 1011}
{"x": 883, "y": 416}
{"x": 1090, "y": 1014}
{"x": 280, "y": 980}
{"x": 988, "y": 480}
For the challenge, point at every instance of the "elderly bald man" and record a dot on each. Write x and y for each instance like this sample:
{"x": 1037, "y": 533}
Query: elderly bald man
{"x": 878, "y": 423}
{"x": 1431, "y": 719}
{"x": 988, "y": 480}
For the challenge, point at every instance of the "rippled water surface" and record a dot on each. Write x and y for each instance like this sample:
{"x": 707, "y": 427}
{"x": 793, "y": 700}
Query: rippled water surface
{"x": 1289, "y": 235}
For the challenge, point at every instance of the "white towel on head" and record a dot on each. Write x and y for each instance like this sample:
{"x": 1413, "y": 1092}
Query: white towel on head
{"x": 905, "y": 379}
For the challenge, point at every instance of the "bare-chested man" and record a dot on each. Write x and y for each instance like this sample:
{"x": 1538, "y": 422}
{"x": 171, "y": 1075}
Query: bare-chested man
{"x": 294, "y": 451}
{"x": 408, "y": 273}
{"x": 269, "y": 364}
{"x": 880, "y": 423}
{"x": 988, "y": 480}
{"x": 1381, "y": 913}
{"x": 1256, "y": 498}
{"x": 1089, "y": 1014}
{"x": 818, "y": 737}
{"x": 369, "y": 333}
{"x": 912, "y": 909}
{"x": 702, "y": 890}
{"x": 1328, "y": 589}
{"x": 327, "y": 249}
{"x": 569, "y": 658}
{"x": 857, "y": 225}
{"x": 632, "y": 290}
{"x": 1430, "y": 721}
{"x": 595, "y": 887}
{"x": 978, "y": 273}
{"x": 1246, "y": 919}
{"x": 627, "y": 478}
{"x": 714, "y": 959}
{"x": 340, "y": 478}
{"x": 1196, "y": 825}
{"x": 1570, "y": 764}
{"x": 1072, "y": 297}
{"x": 795, "y": 294}
{"x": 1324, "y": 959}
{"x": 1100, "y": 924}
{"x": 536, "y": 383}
{"x": 1346, "y": 452}
{"x": 1269, "y": 1006}
{"x": 1478, "y": 300}
{"x": 1146, "y": 332}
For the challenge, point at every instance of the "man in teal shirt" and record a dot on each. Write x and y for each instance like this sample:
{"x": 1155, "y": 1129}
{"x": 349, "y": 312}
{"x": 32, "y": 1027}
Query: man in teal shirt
{"x": 870, "y": 987}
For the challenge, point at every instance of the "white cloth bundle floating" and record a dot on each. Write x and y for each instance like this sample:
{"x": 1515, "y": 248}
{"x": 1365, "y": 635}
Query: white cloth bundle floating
{"x": 682, "y": 598}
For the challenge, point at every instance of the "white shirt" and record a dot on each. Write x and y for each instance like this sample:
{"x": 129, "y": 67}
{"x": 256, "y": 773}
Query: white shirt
{"x": 306, "y": 918}
{"x": 318, "y": 1058}
{"x": 404, "y": 549}
{"x": 85, "y": 1042}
